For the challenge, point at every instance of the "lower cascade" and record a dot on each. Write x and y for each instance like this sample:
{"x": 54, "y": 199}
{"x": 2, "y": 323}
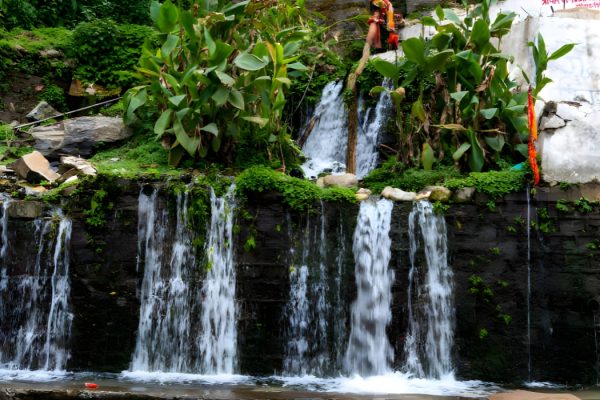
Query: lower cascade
{"x": 307, "y": 310}
{"x": 369, "y": 351}
{"x": 430, "y": 336}
{"x": 217, "y": 343}
{"x": 170, "y": 304}
{"x": 36, "y": 311}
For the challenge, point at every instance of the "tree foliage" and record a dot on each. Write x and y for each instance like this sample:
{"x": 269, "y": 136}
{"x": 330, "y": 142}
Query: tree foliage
{"x": 475, "y": 111}
{"x": 220, "y": 76}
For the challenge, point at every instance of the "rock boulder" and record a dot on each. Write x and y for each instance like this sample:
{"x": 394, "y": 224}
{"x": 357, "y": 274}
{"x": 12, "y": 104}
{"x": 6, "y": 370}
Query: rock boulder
{"x": 398, "y": 195}
{"x": 42, "y": 111}
{"x": 344, "y": 180}
{"x": 79, "y": 136}
{"x": 438, "y": 193}
{"x": 34, "y": 167}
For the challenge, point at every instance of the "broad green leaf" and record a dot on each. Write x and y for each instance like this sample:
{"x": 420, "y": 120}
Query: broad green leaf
{"x": 162, "y": 122}
{"x": 437, "y": 62}
{"x": 452, "y": 17}
{"x": 262, "y": 122}
{"x": 496, "y": 143}
{"x": 169, "y": 45}
{"x": 176, "y": 100}
{"x": 285, "y": 81}
{"x": 176, "y": 154}
{"x": 172, "y": 81}
{"x": 291, "y": 48}
{"x": 249, "y": 62}
{"x": 236, "y": 99}
{"x": 190, "y": 144}
{"x": 460, "y": 151}
{"x": 439, "y": 12}
{"x": 488, "y": 113}
{"x": 212, "y": 128}
{"x": 181, "y": 114}
{"x": 220, "y": 96}
{"x": 452, "y": 127}
{"x": 210, "y": 43}
{"x": 427, "y": 157}
{"x": 414, "y": 50}
{"x": 476, "y": 159}
{"x": 135, "y": 101}
{"x": 523, "y": 149}
{"x": 428, "y": 21}
{"x": 458, "y": 96}
{"x": 385, "y": 68}
{"x": 154, "y": 10}
{"x": 167, "y": 17}
{"x": 222, "y": 51}
{"x": 297, "y": 66}
{"x": 480, "y": 35}
{"x": 418, "y": 111}
{"x": 562, "y": 51}
{"x": 502, "y": 24}
{"x": 377, "y": 90}
{"x": 224, "y": 78}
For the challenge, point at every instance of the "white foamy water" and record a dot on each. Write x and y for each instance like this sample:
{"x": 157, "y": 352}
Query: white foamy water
{"x": 32, "y": 376}
{"x": 180, "y": 377}
{"x": 327, "y": 143}
{"x": 217, "y": 342}
{"x": 431, "y": 310}
{"x": 367, "y": 154}
{"x": 369, "y": 351}
{"x": 391, "y": 383}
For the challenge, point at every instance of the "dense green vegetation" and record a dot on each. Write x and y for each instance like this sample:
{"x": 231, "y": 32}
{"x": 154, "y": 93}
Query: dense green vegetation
{"x": 217, "y": 86}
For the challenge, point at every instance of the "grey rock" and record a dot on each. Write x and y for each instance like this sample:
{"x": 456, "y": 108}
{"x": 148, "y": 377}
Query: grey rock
{"x": 25, "y": 209}
{"x": 464, "y": 195}
{"x": 84, "y": 166}
{"x": 51, "y": 53}
{"x": 397, "y": 194}
{"x": 79, "y": 136}
{"x": 344, "y": 180}
{"x": 42, "y": 111}
{"x": 552, "y": 122}
{"x": 439, "y": 193}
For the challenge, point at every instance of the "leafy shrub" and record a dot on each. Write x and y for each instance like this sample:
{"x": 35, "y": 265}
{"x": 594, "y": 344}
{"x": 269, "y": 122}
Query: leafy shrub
{"x": 26, "y": 14}
{"x": 55, "y": 96}
{"x": 392, "y": 173}
{"x": 107, "y": 52}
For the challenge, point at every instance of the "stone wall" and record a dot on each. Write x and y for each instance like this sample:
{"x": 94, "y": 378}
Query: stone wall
{"x": 489, "y": 253}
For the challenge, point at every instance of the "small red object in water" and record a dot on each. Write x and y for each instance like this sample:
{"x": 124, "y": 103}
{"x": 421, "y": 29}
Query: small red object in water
{"x": 91, "y": 385}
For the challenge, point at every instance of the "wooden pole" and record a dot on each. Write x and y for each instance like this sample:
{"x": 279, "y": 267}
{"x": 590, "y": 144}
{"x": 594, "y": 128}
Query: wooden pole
{"x": 353, "y": 111}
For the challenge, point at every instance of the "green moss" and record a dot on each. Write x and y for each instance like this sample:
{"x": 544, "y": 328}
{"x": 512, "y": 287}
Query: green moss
{"x": 136, "y": 158}
{"x": 493, "y": 183}
{"x": 392, "y": 173}
{"x": 37, "y": 40}
{"x": 299, "y": 194}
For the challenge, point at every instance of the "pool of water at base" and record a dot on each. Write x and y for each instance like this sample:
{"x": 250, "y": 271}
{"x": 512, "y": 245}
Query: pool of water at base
{"x": 394, "y": 385}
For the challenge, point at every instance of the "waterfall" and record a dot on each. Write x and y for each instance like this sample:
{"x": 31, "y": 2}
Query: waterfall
{"x": 370, "y": 129}
{"x": 430, "y": 335}
{"x": 41, "y": 317}
{"x": 163, "y": 333}
{"x": 218, "y": 339}
{"x": 59, "y": 319}
{"x": 326, "y": 145}
{"x": 308, "y": 309}
{"x": 369, "y": 351}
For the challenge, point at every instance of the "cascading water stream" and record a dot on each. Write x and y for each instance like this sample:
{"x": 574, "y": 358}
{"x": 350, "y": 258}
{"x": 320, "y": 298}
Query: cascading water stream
{"x": 370, "y": 129}
{"x": 307, "y": 311}
{"x": 163, "y": 332}
{"x": 41, "y": 328}
{"x": 369, "y": 351}
{"x": 430, "y": 337}
{"x": 326, "y": 145}
{"x": 217, "y": 343}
